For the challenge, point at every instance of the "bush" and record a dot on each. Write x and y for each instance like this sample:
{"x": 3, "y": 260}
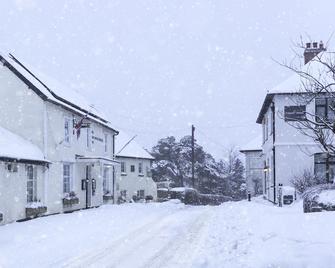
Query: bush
{"x": 306, "y": 180}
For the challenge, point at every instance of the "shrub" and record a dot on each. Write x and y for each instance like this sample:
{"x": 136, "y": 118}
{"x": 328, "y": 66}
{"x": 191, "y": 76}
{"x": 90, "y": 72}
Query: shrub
{"x": 306, "y": 180}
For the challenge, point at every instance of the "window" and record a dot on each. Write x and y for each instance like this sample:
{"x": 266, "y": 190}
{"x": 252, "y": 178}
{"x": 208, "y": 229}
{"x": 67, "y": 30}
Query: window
{"x": 105, "y": 182}
{"x": 140, "y": 168}
{"x": 12, "y": 167}
{"x": 324, "y": 167}
{"x": 265, "y": 129}
{"x": 324, "y": 109}
{"x": 123, "y": 167}
{"x": 106, "y": 143}
{"x": 67, "y": 130}
{"x": 295, "y": 113}
{"x": 31, "y": 184}
{"x": 140, "y": 194}
{"x": 149, "y": 173}
{"x": 89, "y": 140}
{"x": 132, "y": 168}
{"x": 67, "y": 178}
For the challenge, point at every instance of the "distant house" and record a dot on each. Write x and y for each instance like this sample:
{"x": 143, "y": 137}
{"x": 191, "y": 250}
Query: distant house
{"x": 286, "y": 151}
{"x": 66, "y": 160}
{"x": 134, "y": 180}
{"x": 254, "y": 166}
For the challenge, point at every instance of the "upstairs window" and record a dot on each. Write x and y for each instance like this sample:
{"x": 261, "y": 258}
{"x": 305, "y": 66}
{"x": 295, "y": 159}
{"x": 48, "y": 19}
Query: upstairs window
{"x": 324, "y": 110}
{"x": 132, "y": 168}
{"x": 295, "y": 113}
{"x": 123, "y": 167}
{"x": 140, "y": 168}
{"x": 106, "y": 143}
{"x": 67, "y": 130}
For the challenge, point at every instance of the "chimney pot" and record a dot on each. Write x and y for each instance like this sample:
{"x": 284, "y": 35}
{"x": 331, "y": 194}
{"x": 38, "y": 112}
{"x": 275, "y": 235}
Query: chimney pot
{"x": 308, "y": 45}
{"x": 315, "y": 44}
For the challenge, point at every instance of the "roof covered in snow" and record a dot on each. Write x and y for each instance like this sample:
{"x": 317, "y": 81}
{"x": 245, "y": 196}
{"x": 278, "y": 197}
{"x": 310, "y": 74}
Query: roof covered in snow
{"x": 126, "y": 146}
{"x": 253, "y": 145}
{"x": 52, "y": 90}
{"x": 294, "y": 84}
{"x": 15, "y": 147}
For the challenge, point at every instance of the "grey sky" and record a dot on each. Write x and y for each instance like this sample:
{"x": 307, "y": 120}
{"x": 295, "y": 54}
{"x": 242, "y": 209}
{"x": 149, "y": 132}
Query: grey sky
{"x": 155, "y": 67}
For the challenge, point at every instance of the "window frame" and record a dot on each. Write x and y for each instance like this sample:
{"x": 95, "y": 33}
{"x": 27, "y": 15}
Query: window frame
{"x": 140, "y": 169}
{"x": 31, "y": 195}
{"x": 67, "y": 136}
{"x": 106, "y": 178}
{"x": 132, "y": 168}
{"x": 68, "y": 183}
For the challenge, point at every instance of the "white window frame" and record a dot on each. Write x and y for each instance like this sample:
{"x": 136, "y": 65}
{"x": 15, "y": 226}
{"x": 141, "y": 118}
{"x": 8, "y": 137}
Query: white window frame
{"x": 140, "y": 169}
{"x": 68, "y": 178}
{"x": 31, "y": 183}
{"x": 89, "y": 138}
{"x": 106, "y": 179}
{"x": 123, "y": 167}
{"x": 67, "y": 132}
{"x": 106, "y": 142}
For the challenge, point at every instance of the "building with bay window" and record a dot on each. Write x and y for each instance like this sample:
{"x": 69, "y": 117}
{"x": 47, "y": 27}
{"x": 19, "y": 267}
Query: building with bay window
{"x": 134, "y": 180}
{"x": 75, "y": 167}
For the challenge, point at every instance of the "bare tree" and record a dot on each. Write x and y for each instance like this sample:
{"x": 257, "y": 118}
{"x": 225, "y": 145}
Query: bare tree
{"x": 317, "y": 86}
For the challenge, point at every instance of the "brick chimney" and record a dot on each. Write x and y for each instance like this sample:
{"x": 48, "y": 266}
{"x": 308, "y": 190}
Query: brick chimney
{"x": 313, "y": 49}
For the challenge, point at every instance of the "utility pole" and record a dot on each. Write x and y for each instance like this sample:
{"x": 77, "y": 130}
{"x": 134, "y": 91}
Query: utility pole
{"x": 193, "y": 181}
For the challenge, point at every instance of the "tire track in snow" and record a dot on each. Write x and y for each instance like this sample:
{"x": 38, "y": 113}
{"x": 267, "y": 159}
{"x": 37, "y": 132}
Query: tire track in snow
{"x": 89, "y": 259}
{"x": 181, "y": 252}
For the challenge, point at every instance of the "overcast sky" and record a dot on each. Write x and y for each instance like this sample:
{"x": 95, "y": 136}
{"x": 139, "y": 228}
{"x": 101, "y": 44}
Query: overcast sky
{"x": 155, "y": 67}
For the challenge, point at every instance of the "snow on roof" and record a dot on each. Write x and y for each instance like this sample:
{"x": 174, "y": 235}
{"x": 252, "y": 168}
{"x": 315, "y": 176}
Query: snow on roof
{"x": 126, "y": 146}
{"x": 253, "y": 145}
{"x": 16, "y": 147}
{"x": 55, "y": 91}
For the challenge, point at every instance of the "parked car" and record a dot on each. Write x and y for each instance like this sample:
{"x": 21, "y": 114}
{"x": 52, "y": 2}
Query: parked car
{"x": 318, "y": 198}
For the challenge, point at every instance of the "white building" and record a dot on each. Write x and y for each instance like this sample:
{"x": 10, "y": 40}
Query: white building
{"x": 286, "y": 151}
{"x": 134, "y": 180}
{"x": 254, "y": 166}
{"x": 76, "y": 143}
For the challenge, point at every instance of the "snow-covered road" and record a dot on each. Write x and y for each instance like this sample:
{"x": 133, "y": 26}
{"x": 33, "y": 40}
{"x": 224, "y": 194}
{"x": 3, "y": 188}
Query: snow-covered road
{"x": 240, "y": 234}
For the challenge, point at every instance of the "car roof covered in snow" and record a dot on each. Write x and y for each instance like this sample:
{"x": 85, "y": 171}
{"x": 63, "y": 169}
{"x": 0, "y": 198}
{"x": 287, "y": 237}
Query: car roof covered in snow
{"x": 294, "y": 84}
{"x": 253, "y": 145}
{"x": 52, "y": 90}
{"x": 14, "y": 147}
{"x": 126, "y": 146}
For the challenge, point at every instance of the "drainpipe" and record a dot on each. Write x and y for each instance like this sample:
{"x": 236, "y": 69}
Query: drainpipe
{"x": 273, "y": 150}
{"x": 114, "y": 197}
{"x": 45, "y": 151}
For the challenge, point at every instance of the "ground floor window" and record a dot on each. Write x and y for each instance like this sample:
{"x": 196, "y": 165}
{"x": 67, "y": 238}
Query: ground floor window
{"x": 31, "y": 183}
{"x": 67, "y": 178}
{"x": 105, "y": 183}
{"x": 140, "y": 194}
{"x": 324, "y": 167}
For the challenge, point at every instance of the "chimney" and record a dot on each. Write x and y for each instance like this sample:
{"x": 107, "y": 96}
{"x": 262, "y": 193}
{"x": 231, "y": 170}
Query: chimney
{"x": 313, "y": 49}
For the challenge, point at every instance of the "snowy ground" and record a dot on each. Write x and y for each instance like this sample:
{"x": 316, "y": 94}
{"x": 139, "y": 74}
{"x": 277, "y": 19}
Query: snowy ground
{"x": 241, "y": 234}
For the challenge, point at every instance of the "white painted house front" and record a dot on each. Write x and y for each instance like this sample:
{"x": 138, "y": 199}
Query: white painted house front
{"x": 134, "y": 180}
{"x": 76, "y": 141}
{"x": 286, "y": 151}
